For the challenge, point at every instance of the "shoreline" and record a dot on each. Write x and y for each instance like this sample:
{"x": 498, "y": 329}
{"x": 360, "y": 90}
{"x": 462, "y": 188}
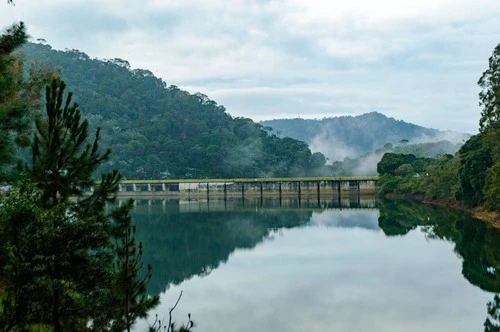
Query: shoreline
{"x": 491, "y": 218}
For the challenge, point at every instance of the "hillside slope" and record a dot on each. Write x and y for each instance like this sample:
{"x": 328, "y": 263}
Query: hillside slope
{"x": 352, "y": 136}
{"x": 161, "y": 131}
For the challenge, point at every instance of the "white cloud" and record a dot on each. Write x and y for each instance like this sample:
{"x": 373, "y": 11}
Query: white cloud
{"x": 414, "y": 60}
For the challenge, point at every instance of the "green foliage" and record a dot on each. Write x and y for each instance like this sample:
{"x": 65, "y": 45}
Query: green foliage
{"x": 367, "y": 164}
{"x": 63, "y": 161}
{"x": 160, "y": 131}
{"x": 57, "y": 258}
{"x": 407, "y": 174}
{"x": 475, "y": 159}
{"x": 389, "y": 184}
{"x": 473, "y": 175}
{"x": 492, "y": 188}
{"x": 18, "y": 217}
{"x": 489, "y": 97}
{"x": 440, "y": 180}
{"x": 489, "y": 126}
{"x": 404, "y": 170}
{"x": 13, "y": 109}
{"x": 391, "y": 161}
{"x": 49, "y": 271}
{"x": 19, "y": 97}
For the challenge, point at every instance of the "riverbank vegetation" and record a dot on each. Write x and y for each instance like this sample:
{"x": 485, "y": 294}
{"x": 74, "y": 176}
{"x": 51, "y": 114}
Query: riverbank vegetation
{"x": 471, "y": 177}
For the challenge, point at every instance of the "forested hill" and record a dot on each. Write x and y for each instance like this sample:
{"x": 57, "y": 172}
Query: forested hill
{"x": 352, "y": 136}
{"x": 161, "y": 131}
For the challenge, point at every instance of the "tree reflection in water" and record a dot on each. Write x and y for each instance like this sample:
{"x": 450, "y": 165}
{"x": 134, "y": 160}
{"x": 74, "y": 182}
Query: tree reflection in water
{"x": 475, "y": 242}
{"x": 185, "y": 241}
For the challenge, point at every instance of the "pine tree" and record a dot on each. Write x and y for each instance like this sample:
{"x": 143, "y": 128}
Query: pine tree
{"x": 13, "y": 109}
{"x": 63, "y": 165}
{"x": 63, "y": 160}
{"x": 19, "y": 97}
{"x": 59, "y": 265}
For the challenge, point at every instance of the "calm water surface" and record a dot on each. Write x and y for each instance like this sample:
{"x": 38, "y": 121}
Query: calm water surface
{"x": 265, "y": 265}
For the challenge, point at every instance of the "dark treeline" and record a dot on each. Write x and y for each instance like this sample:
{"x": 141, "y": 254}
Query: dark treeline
{"x": 472, "y": 175}
{"x": 161, "y": 131}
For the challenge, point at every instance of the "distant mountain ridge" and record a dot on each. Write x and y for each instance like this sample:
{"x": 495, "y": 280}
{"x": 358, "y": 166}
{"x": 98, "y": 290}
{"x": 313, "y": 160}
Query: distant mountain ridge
{"x": 351, "y": 136}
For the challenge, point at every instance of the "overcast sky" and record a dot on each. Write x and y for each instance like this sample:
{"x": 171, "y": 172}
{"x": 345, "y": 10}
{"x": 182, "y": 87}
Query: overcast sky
{"x": 417, "y": 61}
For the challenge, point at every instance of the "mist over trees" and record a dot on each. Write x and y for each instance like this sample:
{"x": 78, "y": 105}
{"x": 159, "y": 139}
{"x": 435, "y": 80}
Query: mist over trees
{"x": 366, "y": 164}
{"x": 353, "y": 136}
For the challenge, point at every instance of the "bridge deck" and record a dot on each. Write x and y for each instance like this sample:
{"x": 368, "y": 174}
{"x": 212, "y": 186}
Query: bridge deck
{"x": 241, "y": 186}
{"x": 252, "y": 180}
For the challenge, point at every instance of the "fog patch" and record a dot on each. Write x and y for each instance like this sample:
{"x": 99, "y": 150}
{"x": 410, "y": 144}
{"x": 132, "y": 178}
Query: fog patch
{"x": 450, "y": 136}
{"x": 368, "y": 164}
{"x": 246, "y": 154}
{"x": 332, "y": 147}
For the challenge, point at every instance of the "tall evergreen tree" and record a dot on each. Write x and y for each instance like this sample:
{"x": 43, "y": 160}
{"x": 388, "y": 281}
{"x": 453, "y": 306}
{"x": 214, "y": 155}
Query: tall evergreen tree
{"x": 489, "y": 125}
{"x": 66, "y": 243}
{"x": 77, "y": 239}
{"x": 63, "y": 160}
{"x": 20, "y": 96}
{"x": 489, "y": 97}
{"x": 13, "y": 108}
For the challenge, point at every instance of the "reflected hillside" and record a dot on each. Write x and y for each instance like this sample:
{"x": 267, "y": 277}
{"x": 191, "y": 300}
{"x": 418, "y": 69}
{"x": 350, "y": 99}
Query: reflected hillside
{"x": 183, "y": 239}
{"x": 475, "y": 242}
{"x": 180, "y": 245}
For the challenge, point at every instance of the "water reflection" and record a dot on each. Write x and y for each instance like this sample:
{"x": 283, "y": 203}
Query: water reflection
{"x": 476, "y": 243}
{"x": 351, "y": 201}
{"x": 180, "y": 245}
{"x": 332, "y": 264}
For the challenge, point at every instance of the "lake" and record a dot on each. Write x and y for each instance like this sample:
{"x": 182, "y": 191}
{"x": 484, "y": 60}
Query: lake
{"x": 319, "y": 265}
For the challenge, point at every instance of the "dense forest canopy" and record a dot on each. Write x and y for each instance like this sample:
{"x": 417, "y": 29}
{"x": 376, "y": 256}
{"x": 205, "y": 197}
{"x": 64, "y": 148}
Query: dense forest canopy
{"x": 161, "y": 131}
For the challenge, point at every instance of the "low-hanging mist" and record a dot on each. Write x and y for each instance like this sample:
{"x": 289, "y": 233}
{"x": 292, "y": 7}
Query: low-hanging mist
{"x": 353, "y": 136}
